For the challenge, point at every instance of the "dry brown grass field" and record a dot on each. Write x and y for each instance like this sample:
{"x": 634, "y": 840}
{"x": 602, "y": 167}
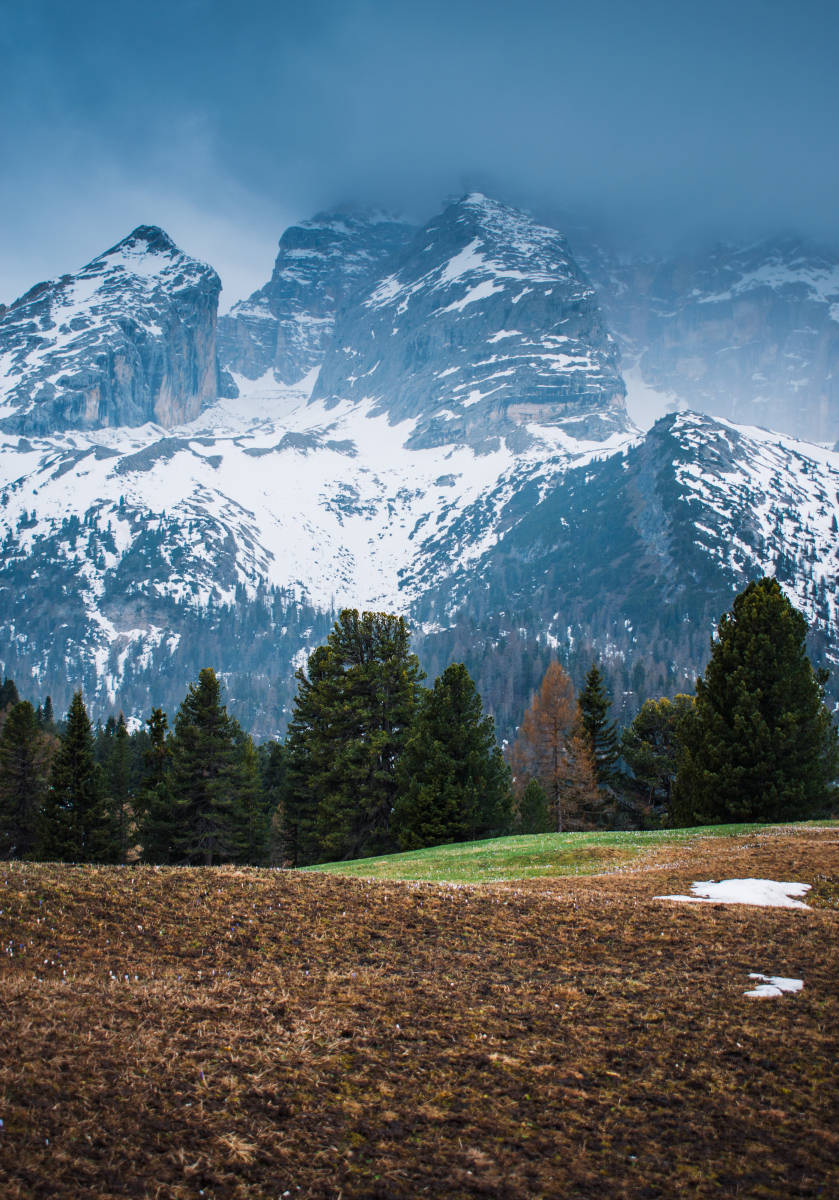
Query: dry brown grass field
{"x": 244, "y": 1033}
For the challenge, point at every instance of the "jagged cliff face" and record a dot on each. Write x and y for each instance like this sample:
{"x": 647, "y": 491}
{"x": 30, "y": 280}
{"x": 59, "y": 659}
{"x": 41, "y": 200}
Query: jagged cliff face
{"x": 286, "y": 327}
{"x": 485, "y": 325}
{"x": 746, "y": 333}
{"x": 130, "y": 338}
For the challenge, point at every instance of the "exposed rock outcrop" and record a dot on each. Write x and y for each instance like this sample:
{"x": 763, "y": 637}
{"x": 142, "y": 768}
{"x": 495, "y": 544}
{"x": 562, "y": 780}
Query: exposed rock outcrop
{"x": 485, "y": 325}
{"x": 130, "y": 338}
{"x": 287, "y": 326}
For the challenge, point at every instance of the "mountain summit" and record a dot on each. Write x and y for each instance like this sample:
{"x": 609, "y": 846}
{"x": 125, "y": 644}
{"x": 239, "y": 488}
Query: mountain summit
{"x": 485, "y": 324}
{"x": 130, "y": 338}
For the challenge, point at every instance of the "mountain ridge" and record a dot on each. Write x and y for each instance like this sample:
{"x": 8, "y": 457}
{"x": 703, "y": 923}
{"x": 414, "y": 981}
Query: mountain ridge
{"x": 528, "y": 520}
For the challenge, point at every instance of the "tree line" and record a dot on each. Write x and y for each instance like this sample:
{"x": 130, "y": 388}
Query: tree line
{"x": 375, "y": 762}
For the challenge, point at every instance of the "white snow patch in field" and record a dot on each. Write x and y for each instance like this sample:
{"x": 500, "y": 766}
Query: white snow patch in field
{"x": 767, "y": 893}
{"x": 773, "y": 985}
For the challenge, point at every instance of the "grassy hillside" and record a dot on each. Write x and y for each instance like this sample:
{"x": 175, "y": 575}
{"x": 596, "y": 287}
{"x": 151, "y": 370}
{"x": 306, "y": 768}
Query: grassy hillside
{"x": 532, "y": 856}
{"x": 249, "y": 1034}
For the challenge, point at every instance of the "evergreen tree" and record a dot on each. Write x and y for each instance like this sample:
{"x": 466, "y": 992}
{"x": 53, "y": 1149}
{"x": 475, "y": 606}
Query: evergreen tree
{"x": 651, "y": 745}
{"x": 206, "y": 778}
{"x": 760, "y": 744}
{"x": 25, "y": 755}
{"x": 453, "y": 782}
{"x": 351, "y": 717}
{"x": 8, "y": 694}
{"x": 75, "y": 826}
{"x": 308, "y": 757}
{"x": 155, "y": 804}
{"x": 252, "y": 801}
{"x": 118, "y": 787}
{"x": 532, "y": 814}
{"x": 551, "y": 749}
{"x": 600, "y": 732}
{"x": 273, "y": 766}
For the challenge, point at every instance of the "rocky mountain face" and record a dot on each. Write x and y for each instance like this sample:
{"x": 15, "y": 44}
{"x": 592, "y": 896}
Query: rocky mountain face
{"x": 287, "y": 326}
{"x": 645, "y": 548}
{"x": 452, "y": 445}
{"x": 746, "y": 333}
{"x": 485, "y": 325}
{"x": 130, "y": 338}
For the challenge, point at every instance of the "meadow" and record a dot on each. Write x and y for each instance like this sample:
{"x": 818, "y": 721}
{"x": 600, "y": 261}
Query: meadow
{"x": 555, "y": 1032}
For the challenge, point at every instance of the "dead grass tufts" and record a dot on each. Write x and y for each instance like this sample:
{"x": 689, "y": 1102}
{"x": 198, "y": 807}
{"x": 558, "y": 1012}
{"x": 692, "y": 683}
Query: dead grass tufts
{"x": 242, "y": 1034}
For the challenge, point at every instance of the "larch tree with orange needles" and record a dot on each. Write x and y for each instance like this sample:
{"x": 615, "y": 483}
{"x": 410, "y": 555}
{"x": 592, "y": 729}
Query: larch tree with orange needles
{"x": 551, "y": 748}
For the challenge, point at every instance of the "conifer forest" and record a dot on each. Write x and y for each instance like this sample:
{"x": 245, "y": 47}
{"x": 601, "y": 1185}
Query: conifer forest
{"x": 375, "y": 760}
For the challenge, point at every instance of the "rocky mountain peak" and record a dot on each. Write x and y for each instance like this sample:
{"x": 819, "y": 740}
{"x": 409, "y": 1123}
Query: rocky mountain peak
{"x": 127, "y": 339}
{"x": 285, "y": 327}
{"x": 484, "y": 325}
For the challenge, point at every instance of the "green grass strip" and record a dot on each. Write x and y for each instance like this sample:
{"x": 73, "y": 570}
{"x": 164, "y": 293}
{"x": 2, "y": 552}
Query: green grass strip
{"x": 531, "y": 856}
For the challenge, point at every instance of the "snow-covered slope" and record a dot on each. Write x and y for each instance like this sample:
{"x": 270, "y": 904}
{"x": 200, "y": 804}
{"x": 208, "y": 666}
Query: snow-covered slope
{"x": 130, "y": 338}
{"x": 329, "y": 505}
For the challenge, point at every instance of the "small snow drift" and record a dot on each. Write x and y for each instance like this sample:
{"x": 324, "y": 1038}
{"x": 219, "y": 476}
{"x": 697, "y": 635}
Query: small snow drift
{"x": 773, "y": 985}
{"x": 767, "y": 893}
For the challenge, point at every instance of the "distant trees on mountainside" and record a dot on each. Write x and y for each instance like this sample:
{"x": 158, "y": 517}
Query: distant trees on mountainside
{"x": 374, "y": 761}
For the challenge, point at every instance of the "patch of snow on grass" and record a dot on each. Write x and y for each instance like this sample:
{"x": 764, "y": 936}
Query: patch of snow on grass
{"x": 773, "y": 985}
{"x": 767, "y": 893}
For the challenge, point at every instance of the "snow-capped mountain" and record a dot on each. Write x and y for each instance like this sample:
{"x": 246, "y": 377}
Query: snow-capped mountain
{"x": 284, "y": 329}
{"x": 130, "y": 338}
{"x": 746, "y": 333}
{"x": 485, "y": 325}
{"x": 453, "y": 445}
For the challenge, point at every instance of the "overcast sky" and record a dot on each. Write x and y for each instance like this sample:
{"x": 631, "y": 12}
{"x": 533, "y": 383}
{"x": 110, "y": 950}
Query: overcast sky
{"x": 226, "y": 121}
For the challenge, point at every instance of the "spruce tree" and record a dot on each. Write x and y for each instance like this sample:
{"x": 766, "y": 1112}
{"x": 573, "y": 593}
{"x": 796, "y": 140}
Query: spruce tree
{"x": 154, "y": 802}
{"x": 75, "y": 825}
{"x": 600, "y": 732}
{"x": 251, "y": 800}
{"x": 453, "y": 782}
{"x": 760, "y": 744}
{"x": 8, "y": 694}
{"x": 308, "y": 757}
{"x": 351, "y": 717}
{"x": 206, "y": 778}
{"x": 532, "y": 813}
{"x": 118, "y": 786}
{"x": 25, "y": 754}
{"x": 651, "y": 745}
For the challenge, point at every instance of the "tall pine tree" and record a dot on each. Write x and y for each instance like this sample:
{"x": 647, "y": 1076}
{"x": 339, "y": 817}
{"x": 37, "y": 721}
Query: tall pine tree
{"x": 76, "y": 825}
{"x": 453, "y": 782}
{"x": 117, "y": 772}
{"x": 759, "y": 744}
{"x": 206, "y": 778}
{"x": 600, "y": 732}
{"x": 155, "y": 804}
{"x": 351, "y": 717}
{"x": 25, "y": 754}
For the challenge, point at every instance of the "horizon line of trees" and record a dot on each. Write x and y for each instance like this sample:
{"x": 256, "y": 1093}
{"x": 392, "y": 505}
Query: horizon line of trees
{"x": 375, "y": 762}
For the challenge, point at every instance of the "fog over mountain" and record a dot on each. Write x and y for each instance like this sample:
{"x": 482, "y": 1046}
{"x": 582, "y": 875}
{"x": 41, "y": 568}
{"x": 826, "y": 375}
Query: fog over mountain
{"x": 224, "y": 125}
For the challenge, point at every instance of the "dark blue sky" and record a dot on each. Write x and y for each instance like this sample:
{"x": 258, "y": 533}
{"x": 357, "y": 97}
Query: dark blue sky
{"x": 226, "y": 120}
